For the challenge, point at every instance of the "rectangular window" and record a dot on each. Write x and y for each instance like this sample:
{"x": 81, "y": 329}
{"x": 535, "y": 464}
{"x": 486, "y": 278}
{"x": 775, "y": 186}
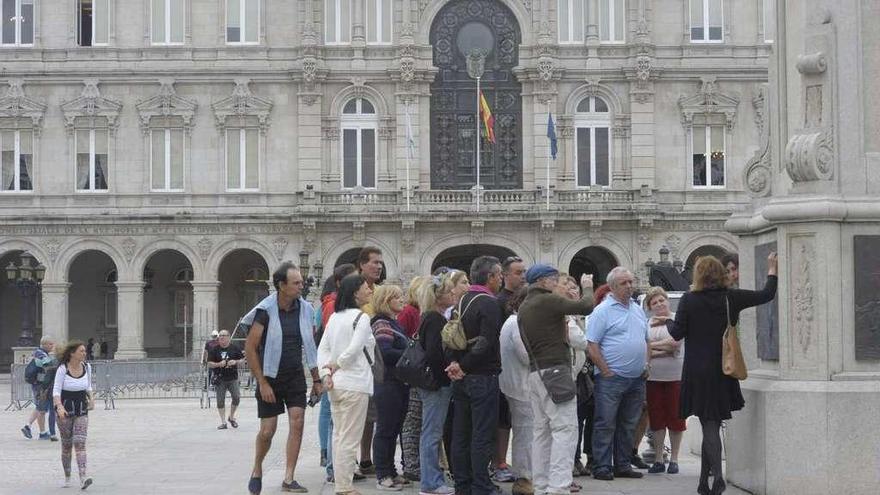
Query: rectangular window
{"x": 593, "y": 156}
{"x": 242, "y": 159}
{"x": 338, "y": 22}
{"x": 611, "y": 21}
{"x": 572, "y": 19}
{"x": 769, "y": 7}
{"x": 166, "y": 159}
{"x": 17, "y": 160}
{"x": 707, "y": 156}
{"x": 93, "y": 22}
{"x": 168, "y": 20}
{"x": 91, "y": 159}
{"x": 379, "y": 21}
{"x": 183, "y": 307}
{"x": 359, "y": 157}
{"x": 706, "y": 21}
{"x": 110, "y": 309}
{"x": 17, "y": 26}
{"x": 242, "y": 21}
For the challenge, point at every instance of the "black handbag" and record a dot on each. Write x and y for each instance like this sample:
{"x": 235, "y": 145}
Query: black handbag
{"x": 412, "y": 368}
{"x": 557, "y": 379}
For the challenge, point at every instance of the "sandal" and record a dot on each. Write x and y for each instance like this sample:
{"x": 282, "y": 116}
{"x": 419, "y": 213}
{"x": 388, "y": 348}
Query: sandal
{"x": 222, "y": 427}
{"x": 574, "y": 487}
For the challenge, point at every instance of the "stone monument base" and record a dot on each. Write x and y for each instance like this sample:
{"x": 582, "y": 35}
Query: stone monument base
{"x": 806, "y": 437}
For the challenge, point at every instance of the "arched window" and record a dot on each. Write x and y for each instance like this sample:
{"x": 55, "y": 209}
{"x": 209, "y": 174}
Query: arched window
{"x": 183, "y": 276}
{"x": 592, "y": 123}
{"x": 359, "y": 151}
{"x": 255, "y": 274}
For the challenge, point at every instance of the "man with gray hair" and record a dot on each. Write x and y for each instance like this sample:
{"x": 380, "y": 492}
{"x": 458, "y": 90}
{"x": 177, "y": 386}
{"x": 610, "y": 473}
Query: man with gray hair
{"x": 618, "y": 344}
{"x": 40, "y": 374}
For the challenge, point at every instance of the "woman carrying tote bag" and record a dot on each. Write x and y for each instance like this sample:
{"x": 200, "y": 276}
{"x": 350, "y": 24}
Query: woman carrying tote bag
{"x": 702, "y": 318}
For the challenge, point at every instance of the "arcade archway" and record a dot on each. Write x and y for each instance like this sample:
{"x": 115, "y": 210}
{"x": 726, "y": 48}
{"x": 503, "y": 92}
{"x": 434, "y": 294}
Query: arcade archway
{"x": 460, "y": 257}
{"x": 595, "y": 260}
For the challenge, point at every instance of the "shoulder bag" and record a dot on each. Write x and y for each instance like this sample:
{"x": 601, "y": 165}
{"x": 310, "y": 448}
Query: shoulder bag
{"x": 413, "y": 369}
{"x": 453, "y": 334}
{"x": 557, "y": 379}
{"x": 377, "y": 365}
{"x": 732, "y": 362}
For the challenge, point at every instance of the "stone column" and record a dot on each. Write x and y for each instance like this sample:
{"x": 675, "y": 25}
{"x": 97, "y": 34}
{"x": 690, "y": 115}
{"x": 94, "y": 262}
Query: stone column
{"x": 814, "y": 384}
{"x": 130, "y": 304}
{"x": 205, "y": 313}
{"x": 55, "y": 310}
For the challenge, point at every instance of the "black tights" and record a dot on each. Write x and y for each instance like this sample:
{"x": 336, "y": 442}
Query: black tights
{"x": 711, "y": 458}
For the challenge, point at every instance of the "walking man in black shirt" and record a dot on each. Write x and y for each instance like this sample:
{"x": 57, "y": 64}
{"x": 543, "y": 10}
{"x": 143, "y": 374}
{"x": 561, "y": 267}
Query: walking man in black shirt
{"x": 280, "y": 336}
{"x": 224, "y": 359}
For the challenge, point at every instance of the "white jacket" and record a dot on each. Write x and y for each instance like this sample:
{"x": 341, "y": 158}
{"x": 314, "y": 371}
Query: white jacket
{"x": 344, "y": 346}
{"x": 577, "y": 341}
{"x": 514, "y": 378}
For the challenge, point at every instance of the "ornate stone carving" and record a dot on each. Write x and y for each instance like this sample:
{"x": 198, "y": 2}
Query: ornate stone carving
{"x": 810, "y": 156}
{"x": 803, "y": 307}
{"x": 759, "y": 104}
{"x": 242, "y": 104}
{"x": 166, "y": 104}
{"x": 310, "y": 234}
{"x": 595, "y": 232}
{"x": 91, "y": 104}
{"x": 548, "y": 234}
{"x": 279, "y": 245}
{"x": 51, "y": 246}
{"x": 330, "y": 128}
{"x": 204, "y": 247}
{"x": 758, "y": 170}
{"x": 14, "y": 104}
{"x": 358, "y": 232}
{"x": 673, "y": 242}
{"x": 408, "y": 235}
{"x": 644, "y": 242}
{"x": 128, "y": 247}
{"x": 708, "y": 101}
{"x": 478, "y": 230}
{"x": 811, "y": 64}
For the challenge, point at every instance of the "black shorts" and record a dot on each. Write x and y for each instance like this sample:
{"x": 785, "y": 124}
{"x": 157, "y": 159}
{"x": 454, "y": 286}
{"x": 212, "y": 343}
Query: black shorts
{"x": 290, "y": 391}
{"x": 504, "y": 421}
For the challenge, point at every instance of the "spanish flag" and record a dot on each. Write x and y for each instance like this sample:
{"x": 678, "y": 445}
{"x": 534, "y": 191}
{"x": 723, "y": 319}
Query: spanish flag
{"x": 487, "y": 118}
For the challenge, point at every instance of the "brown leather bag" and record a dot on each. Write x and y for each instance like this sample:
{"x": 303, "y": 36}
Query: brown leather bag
{"x": 732, "y": 362}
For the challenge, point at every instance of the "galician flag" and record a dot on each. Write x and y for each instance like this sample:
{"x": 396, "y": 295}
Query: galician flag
{"x": 551, "y": 133}
{"x": 487, "y": 118}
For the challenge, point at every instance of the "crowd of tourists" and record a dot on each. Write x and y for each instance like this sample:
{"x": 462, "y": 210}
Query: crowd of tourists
{"x": 458, "y": 368}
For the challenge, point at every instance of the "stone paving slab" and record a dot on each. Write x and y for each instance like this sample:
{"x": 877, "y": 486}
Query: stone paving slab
{"x": 173, "y": 447}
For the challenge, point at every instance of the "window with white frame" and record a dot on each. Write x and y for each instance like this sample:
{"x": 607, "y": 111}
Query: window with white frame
{"x": 769, "y": 19}
{"x": 91, "y": 159}
{"x": 242, "y": 159}
{"x": 572, "y": 19}
{"x": 592, "y": 123}
{"x": 167, "y": 18}
{"x": 706, "y": 18}
{"x": 379, "y": 21}
{"x": 17, "y": 26}
{"x": 337, "y": 22}
{"x": 17, "y": 160}
{"x": 707, "y": 155}
{"x": 183, "y": 297}
{"x": 166, "y": 159}
{"x": 242, "y": 21}
{"x": 92, "y": 22}
{"x": 611, "y": 21}
{"x": 359, "y": 125}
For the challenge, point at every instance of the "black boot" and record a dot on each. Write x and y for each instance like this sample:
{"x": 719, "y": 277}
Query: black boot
{"x": 718, "y": 486}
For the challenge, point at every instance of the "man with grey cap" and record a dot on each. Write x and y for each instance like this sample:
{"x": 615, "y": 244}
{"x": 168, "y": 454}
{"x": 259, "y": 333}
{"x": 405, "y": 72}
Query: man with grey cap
{"x": 545, "y": 333}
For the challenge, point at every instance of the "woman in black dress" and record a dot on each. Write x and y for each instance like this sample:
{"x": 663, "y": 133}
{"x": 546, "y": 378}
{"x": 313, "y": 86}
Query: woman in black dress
{"x": 706, "y": 392}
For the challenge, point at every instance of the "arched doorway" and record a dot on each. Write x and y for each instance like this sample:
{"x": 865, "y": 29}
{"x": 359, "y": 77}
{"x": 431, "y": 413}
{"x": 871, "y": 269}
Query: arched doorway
{"x": 460, "y": 257}
{"x": 594, "y": 259}
{"x": 21, "y": 309}
{"x": 168, "y": 304}
{"x": 244, "y": 281}
{"x": 707, "y": 250}
{"x": 460, "y": 27}
{"x": 91, "y": 306}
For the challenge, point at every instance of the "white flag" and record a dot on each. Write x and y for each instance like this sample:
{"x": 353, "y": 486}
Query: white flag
{"x": 410, "y": 140}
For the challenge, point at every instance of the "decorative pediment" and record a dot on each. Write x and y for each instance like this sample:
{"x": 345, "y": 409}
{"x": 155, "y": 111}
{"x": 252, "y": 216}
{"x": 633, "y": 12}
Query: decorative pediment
{"x": 166, "y": 104}
{"x": 243, "y": 104}
{"x": 91, "y": 104}
{"x": 16, "y": 105}
{"x": 709, "y": 102}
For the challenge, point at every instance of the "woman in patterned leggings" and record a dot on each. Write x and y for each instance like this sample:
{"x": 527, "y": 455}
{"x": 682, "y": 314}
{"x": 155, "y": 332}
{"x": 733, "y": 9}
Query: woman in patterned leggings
{"x": 72, "y": 395}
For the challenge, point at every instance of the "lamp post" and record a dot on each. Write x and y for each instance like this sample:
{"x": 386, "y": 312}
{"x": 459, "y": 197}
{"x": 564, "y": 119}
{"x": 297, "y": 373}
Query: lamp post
{"x": 476, "y": 60}
{"x": 27, "y": 278}
{"x": 313, "y": 280}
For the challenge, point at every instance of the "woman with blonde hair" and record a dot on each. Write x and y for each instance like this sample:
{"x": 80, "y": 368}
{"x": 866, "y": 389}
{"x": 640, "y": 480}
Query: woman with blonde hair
{"x": 706, "y": 392}
{"x": 72, "y": 394}
{"x": 390, "y": 394}
{"x": 664, "y": 381}
{"x": 409, "y": 319}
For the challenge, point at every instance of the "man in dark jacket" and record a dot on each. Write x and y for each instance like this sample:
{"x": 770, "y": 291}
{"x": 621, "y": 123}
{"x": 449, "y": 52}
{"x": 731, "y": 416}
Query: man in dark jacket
{"x": 545, "y": 333}
{"x": 475, "y": 386}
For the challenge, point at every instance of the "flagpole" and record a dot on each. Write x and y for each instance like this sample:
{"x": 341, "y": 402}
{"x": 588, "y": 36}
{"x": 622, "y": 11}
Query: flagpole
{"x": 549, "y": 152}
{"x": 478, "y": 144}
{"x": 409, "y": 146}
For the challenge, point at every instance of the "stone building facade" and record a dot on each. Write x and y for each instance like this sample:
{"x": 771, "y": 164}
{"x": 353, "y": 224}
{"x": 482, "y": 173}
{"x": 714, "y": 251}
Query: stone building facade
{"x": 159, "y": 161}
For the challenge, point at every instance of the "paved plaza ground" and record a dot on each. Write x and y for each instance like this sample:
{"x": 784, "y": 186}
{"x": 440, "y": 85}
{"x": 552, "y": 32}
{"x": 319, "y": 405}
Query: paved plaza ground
{"x": 165, "y": 446}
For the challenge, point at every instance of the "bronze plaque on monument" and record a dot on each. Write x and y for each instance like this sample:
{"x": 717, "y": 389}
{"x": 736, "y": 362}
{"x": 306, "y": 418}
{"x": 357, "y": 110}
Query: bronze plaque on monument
{"x": 767, "y": 322}
{"x": 867, "y": 295}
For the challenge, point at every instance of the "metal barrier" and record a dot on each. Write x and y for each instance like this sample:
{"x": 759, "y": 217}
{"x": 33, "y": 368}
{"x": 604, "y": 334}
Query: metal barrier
{"x": 22, "y": 394}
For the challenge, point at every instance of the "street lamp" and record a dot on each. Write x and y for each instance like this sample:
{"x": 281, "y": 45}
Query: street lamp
{"x": 309, "y": 281}
{"x": 27, "y": 278}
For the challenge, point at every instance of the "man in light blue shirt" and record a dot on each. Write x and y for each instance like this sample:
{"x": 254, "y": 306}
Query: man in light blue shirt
{"x": 618, "y": 344}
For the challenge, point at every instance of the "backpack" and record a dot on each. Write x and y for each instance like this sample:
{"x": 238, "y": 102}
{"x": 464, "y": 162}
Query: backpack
{"x": 32, "y": 372}
{"x": 453, "y": 335}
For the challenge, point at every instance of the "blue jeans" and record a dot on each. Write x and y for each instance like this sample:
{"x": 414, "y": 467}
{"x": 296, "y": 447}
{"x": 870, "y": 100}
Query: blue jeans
{"x": 619, "y": 403}
{"x": 475, "y": 419}
{"x": 391, "y": 398}
{"x": 325, "y": 431}
{"x": 435, "y": 405}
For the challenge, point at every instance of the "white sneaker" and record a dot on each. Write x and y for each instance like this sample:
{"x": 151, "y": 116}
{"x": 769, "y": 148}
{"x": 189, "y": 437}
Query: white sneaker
{"x": 387, "y": 484}
{"x": 66, "y": 482}
{"x": 440, "y": 490}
